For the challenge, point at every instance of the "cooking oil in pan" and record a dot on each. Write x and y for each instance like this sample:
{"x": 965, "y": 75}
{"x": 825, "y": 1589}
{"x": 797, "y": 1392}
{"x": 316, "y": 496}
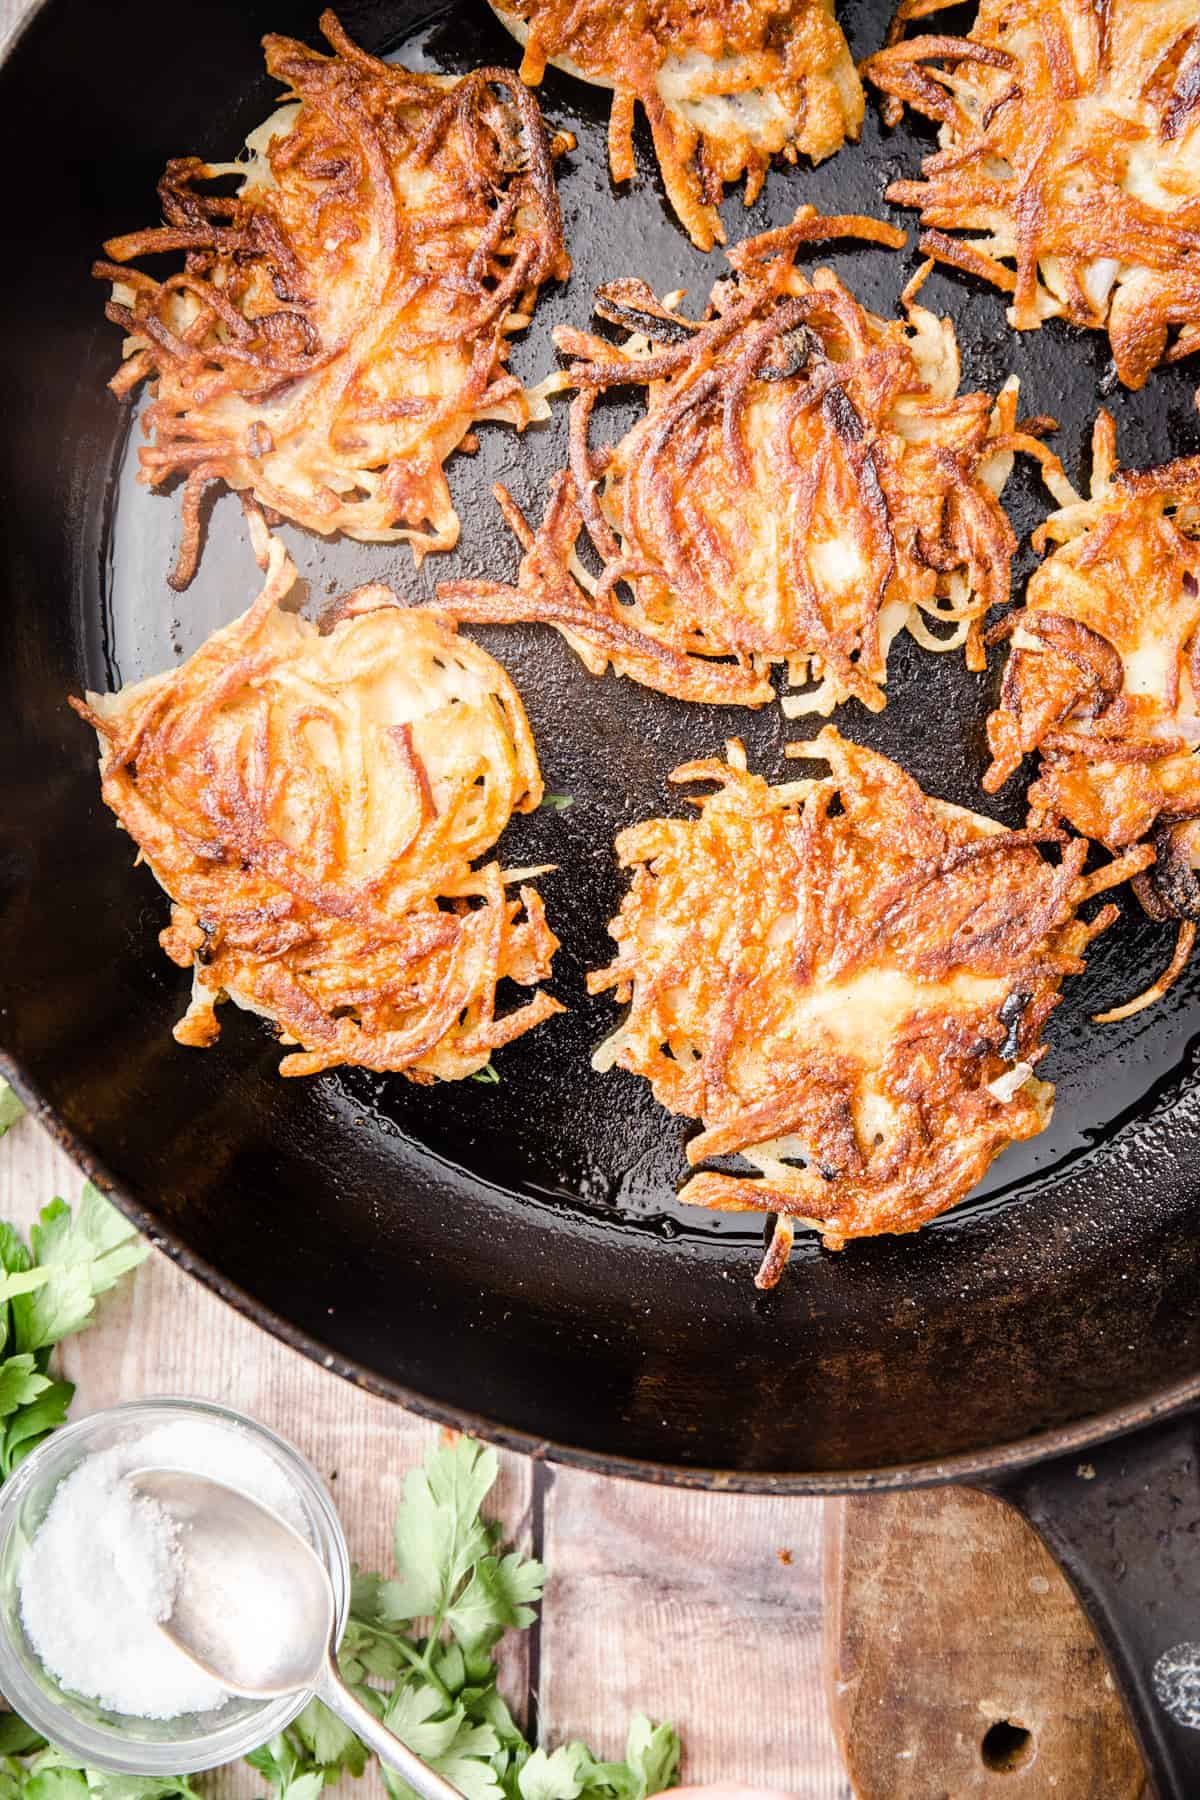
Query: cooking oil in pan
{"x": 551, "y": 1128}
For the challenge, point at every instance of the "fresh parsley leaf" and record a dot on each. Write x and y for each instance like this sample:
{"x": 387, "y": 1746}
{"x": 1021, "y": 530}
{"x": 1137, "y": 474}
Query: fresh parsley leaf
{"x": 57, "y": 1784}
{"x": 364, "y": 1596}
{"x": 439, "y": 1534}
{"x": 30, "y": 1424}
{"x": 489, "y": 1074}
{"x": 368, "y": 1651}
{"x": 283, "y": 1765}
{"x": 14, "y": 1260}
{"x": 446, "y": 1738}
{"x": 302, "y": 1784}
{"x": 14, "y": 1251}
{"x": 305, "y": 1787}
{"x": 21, "y": 1282}
{"x": 105, "y": 1786}
{"x": 652, "y": 1753}
{"x": 277, "y": 1760}
{"x": 20, "y": 1383}
{"x": 329, "y": 1742}
{"x": 494, "y": 1711}
{"x": 417, "y": 1715}
{"x": 79, "y": 1259}
{"x": 450, "y": 1667}
{"x": 17, "y": 1738}
{"x": 19, "y": 1275}
{"x": 497, "y": 1598}
{"x": 558, "y": 802}
{"x": 559, "y": 1776}
{"x": 651, "y": 1765}
{"x": 11, "y": 1108}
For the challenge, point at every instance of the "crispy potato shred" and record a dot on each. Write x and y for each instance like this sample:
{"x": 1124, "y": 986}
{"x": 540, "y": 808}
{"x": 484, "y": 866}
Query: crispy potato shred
{"x": 1103, "y": 680}
{"x": 1069, "y": 152}
{"x": 316, "y": 801}
{"x": 806, "y": 481}
{"x": 342, "y": 322}
{"x": 846, "y": 982}
{"x": 724, "y": 86}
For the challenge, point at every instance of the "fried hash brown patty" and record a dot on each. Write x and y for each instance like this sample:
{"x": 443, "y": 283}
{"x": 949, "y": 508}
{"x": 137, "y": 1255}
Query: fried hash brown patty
{"x": 806, "y": 481}
{"x": 314, "y": 801}
{"x": 340, "y": 325}
{"x": 724, "y": 86}
{"x": 1103, "y": 678}
{"x": 1069, "y": 146}
{"x": 847, "y": 982}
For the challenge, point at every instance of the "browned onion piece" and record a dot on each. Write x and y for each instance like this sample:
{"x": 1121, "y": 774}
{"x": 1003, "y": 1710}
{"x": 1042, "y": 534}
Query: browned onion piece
{"x": 1174, "y": 877}
{"x": 1090, "y": 653}
{"x": 1151, "y": 904}
{"x": 634, "y": 305}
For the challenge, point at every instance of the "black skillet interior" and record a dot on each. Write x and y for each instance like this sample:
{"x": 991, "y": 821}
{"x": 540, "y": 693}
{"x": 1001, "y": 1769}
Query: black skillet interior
{"x": 515, "y": 1252}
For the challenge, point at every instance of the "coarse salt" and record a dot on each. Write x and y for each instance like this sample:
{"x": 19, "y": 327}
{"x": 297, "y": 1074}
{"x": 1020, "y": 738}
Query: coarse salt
{"x": 103, "y": 1568}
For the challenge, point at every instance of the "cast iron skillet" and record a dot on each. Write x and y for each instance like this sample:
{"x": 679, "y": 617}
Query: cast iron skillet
{"x": 511, "y": 1257}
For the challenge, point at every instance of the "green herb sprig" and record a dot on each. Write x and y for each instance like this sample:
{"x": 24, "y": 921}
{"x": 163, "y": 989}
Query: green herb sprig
{"x": 10, "y": 1107}
{"x": 48, "y": 1291}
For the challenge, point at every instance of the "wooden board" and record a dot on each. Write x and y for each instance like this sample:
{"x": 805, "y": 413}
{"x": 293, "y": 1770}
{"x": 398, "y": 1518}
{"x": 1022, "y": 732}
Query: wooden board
{"x": 958, "y": 1661}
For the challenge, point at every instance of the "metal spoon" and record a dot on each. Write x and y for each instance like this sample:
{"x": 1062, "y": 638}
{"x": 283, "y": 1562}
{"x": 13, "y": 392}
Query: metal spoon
{"x": 238, "y": 1556}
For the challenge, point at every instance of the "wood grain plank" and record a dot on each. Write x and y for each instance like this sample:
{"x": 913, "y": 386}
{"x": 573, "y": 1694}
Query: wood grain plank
{"x": 704, "y": 1608}
{"x": 11, "y": 14}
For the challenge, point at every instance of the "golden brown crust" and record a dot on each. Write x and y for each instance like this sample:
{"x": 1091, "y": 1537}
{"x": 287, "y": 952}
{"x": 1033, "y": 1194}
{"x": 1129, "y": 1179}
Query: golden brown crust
{"x": 724, "y": 86}
{"x": 1103, "y": 677}
{"x": 341, "y": 324}
{"x": 316, "y": 804}
{"x": 1069, "y": 146}
{"x": 806, "y": 482}
{"x": 847, "y": 983}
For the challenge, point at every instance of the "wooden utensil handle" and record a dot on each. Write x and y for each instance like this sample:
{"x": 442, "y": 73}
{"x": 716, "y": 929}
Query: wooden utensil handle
{"x": 958, "y": 1661}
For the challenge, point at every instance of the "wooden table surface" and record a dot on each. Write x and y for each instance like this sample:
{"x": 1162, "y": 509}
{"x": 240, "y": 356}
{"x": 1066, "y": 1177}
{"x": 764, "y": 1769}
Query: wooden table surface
{"x": 701, "y": 1608}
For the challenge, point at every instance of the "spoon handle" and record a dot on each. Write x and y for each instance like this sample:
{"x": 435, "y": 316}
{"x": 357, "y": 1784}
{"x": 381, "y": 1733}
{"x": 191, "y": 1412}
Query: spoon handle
{"x": 387, "y": 1746}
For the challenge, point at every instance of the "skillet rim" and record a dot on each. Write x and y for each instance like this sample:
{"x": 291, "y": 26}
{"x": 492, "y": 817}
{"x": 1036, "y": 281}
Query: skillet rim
{"x": 978, "y": 1466}
{"x": 968, "y": 1466}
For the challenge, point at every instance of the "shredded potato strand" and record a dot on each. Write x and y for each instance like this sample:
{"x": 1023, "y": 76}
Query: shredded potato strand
{"x": 847, "y": 984}
{"x": 1070, "y": 154}
{"x": 806, "y": 481}
{"x": 341, "y": 324}
{"x": 316, "y": 802}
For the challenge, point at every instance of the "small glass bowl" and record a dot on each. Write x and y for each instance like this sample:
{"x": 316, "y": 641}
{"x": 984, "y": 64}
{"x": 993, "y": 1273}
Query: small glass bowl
{"x": 114, "y": 1741}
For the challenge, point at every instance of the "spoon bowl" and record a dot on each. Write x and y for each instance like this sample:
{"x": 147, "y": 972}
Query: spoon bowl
{"x": 254, "y": 1608}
